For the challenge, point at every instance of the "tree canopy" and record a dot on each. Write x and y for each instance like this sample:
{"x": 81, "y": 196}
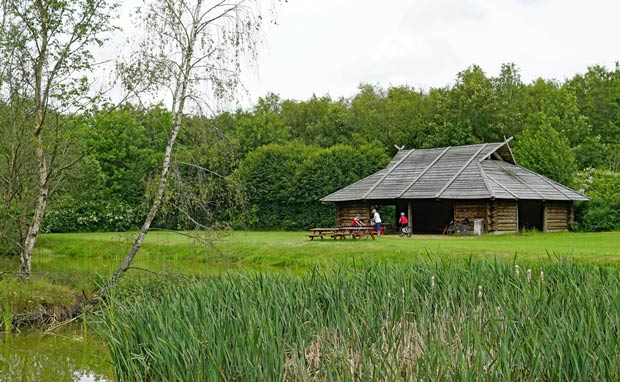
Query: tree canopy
{"x": 275, "y": 160}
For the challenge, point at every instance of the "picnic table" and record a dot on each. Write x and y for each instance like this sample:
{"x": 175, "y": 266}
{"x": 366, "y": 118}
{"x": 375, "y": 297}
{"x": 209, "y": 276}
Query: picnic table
{"x": 320, "y": 232}
{"x": 359, "y": 232}
{"x": 343, "y": 232}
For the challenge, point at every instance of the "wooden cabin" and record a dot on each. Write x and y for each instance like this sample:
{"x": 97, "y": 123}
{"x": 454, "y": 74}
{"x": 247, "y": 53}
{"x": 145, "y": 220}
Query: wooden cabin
{"x": 438, "y": 185}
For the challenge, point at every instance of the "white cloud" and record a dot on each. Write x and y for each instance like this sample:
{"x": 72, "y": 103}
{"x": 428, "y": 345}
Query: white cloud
{"x": 331, "y": 46}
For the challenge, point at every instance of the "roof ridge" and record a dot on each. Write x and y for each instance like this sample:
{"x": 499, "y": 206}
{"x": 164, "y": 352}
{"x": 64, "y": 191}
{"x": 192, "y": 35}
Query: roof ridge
{"x": 553, "y": 183}
{"x": 527, "y": 185}
{"x": 423, "y": 172}
{"x": 501, "y": 144}
{"x": 387, "y": 173}
{"x": 460, "y": 171}
{"x": 484, "y": 178}
{"x": 502, "y": 186}
{"x": 353, "y": 184}
{"x": 491, "y": 153}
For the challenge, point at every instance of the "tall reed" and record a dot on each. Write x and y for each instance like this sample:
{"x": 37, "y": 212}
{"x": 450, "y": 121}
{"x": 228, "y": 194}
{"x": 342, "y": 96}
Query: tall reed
{"x": 6, "y": 317}
{"x": 428, "y": 320}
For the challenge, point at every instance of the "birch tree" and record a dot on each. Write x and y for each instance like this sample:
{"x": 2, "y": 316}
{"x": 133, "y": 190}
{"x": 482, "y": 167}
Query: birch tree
{"x": 50, "y": 43}
{"x": 194, "y": 50}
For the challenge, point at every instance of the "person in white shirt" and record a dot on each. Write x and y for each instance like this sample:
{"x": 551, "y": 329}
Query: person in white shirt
{"x": 377, "y": 220}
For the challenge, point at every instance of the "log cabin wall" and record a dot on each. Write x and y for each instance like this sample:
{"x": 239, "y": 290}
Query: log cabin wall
{"x": 558, "y": 216}
{"x": 503, "y": 216}
{"x": 472, "y": 210}
{"x": 345, "y": 212}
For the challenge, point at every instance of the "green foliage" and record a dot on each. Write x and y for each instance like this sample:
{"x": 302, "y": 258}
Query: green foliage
{"x": 262, "y": 127}
{"x": 266, "y": 177}
{"x": 424, "y": 320}
{"x": 471, "y": 109}
{"x": 106, "y": 189}
{"x": 602, "y": 213}
{"x": 268, "y": 166}
{"x": 543, "y": 150}
{"x": 17, "y": 299}
{"x": 598, "y": 99}
{"x": 285, "y": 182}
{"x": 128, "y": 144}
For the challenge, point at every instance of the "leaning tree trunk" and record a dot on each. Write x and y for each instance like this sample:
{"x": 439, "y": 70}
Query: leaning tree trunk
{"x": 163, "y": 181}
{"x": 151, "y": 215}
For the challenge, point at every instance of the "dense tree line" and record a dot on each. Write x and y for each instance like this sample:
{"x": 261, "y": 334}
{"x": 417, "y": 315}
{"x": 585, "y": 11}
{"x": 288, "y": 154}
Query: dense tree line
{"x": 266, "y": 167}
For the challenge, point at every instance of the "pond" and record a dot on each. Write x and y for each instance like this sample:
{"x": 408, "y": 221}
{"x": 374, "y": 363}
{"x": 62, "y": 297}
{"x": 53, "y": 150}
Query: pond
{"x": 70, "y": 355}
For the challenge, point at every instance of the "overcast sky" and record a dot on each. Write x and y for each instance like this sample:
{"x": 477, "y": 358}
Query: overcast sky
{"x": 331, "y": 46}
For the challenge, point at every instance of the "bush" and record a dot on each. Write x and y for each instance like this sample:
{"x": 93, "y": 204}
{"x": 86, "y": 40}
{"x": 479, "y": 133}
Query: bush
{"x": 91, "y": 216}
{"x": 602, "y": 213}
{"x": 284, "y": 183}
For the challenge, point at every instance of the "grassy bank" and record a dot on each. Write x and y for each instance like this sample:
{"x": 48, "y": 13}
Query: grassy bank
{"x": 67, "y": 266}
{"x": 429, "y": 320}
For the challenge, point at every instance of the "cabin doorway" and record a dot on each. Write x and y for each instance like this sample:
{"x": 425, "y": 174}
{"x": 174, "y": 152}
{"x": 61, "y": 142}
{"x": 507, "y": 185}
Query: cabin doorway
{"x": 431, "y": 216}
{"x": 531, "y": 214}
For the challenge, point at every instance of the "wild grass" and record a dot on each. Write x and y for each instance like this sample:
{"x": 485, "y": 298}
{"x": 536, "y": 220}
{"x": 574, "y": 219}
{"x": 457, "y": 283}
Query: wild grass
{"x": 439, "y": 320}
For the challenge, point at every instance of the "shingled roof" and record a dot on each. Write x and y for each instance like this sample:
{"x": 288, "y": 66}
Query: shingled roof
{"x": 481, "y": 171}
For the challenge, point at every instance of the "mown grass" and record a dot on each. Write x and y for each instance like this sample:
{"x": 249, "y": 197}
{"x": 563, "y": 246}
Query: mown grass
{"x": 295, "y": 249}
{"x": 67, "y": 266}
{"x": 440, "y": 320}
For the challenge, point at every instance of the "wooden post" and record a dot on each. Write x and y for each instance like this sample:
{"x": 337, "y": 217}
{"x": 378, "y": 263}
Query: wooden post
{"x": 517, "y": 215}
{"x": 544, "y": 217}
{"x": 410, "y": 216}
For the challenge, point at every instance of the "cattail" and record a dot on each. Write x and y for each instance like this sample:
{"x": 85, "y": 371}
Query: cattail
{"x": 480, "y": 292}
{"x": 529, "y": 275}
{"x": 432, "y": 281}
{"x": 542, "y": 276}
{"x": 517, "y": 271}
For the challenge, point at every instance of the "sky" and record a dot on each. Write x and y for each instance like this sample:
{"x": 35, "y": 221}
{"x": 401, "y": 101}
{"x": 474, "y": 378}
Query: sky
{"x": 331, "y": 46}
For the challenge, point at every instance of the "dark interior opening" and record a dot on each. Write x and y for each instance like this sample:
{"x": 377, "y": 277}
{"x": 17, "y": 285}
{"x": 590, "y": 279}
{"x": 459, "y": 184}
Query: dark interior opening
{"x": 429, "y": 216}
{"x": 531, "y": 214}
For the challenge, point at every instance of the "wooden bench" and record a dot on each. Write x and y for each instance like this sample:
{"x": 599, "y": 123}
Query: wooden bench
{"x": 321, "y": 232}
{"x": 341, "y": 235}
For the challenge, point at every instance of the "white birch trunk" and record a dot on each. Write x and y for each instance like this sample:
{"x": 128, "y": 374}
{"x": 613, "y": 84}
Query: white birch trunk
{"x": 163, "y": 181}
{"x": 25, "y": 261}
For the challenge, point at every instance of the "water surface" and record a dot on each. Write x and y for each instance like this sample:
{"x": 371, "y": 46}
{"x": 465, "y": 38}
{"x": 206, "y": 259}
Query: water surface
{"x": 66, "y": 356}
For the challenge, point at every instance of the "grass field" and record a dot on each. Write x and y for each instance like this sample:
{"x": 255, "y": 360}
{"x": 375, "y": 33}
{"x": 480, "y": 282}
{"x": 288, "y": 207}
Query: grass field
{"x": 295, "y": 249}
{"x": 64, "y": 265}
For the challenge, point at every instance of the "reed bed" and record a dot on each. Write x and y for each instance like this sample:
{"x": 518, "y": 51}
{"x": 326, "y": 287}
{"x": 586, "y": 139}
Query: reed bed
{"x": 421, "y": 321}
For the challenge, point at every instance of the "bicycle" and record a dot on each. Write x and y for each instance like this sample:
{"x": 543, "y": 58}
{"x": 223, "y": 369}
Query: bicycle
{"x": 461, "y": 227}
{"x": 404, "y": 230}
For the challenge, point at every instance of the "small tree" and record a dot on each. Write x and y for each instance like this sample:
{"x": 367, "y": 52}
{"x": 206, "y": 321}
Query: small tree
{"x": 46, "y": 53}
{"x": 190, "y": 44}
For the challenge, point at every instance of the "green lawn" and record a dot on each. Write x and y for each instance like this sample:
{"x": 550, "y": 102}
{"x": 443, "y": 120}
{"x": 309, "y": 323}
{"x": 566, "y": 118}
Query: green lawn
{"x": 64, "y": 265}
{"x": 295, "y": 249}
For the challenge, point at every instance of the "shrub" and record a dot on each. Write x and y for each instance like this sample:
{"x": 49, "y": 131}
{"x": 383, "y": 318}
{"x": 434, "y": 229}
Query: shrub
{"x": 602, "y": 213}
{"x": 284, "y": 183}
